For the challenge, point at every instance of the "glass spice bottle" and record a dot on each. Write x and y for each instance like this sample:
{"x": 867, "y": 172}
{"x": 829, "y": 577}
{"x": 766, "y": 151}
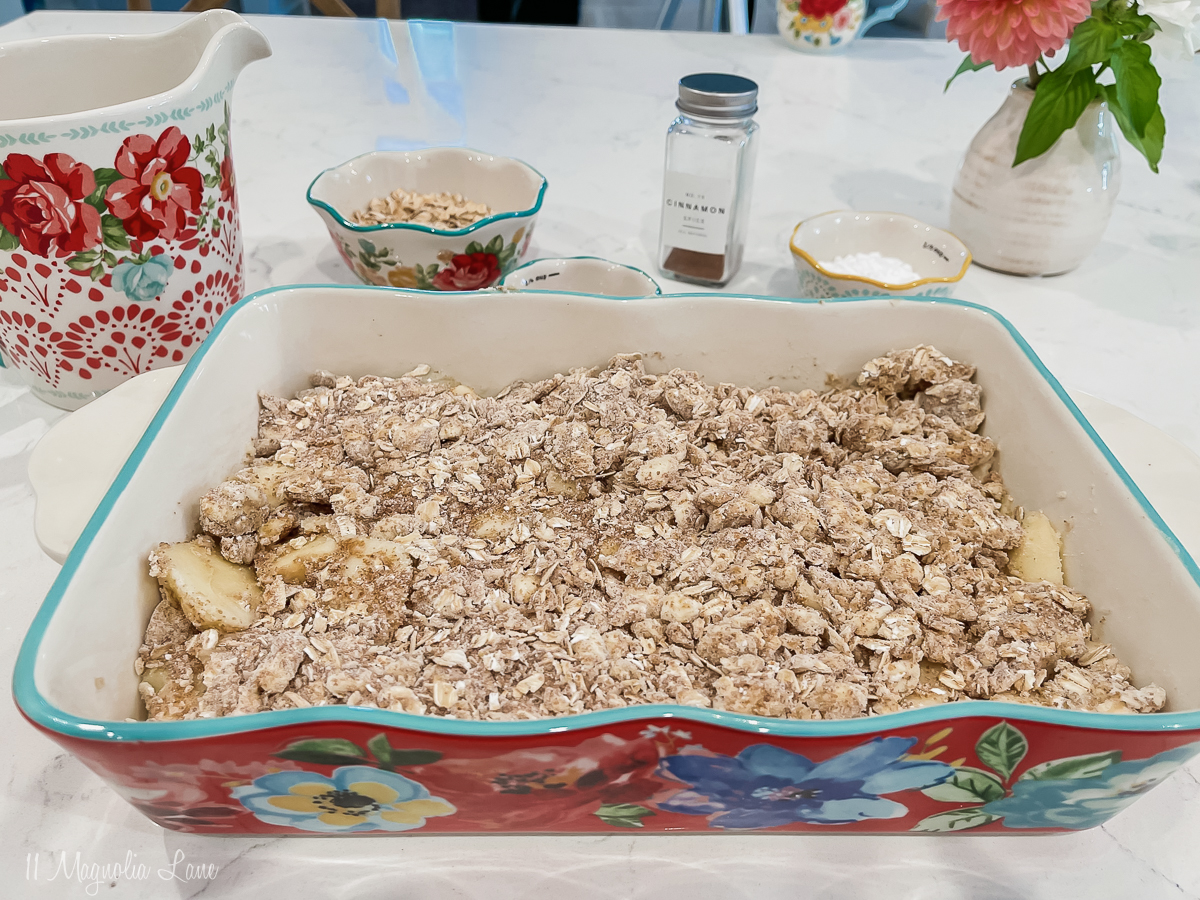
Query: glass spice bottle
{"x": 708, "y": 177}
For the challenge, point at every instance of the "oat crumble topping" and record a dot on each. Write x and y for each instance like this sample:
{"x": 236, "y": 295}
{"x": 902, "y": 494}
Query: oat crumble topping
{"x": 446, "y": 211}
{"x": 610, "y": 537}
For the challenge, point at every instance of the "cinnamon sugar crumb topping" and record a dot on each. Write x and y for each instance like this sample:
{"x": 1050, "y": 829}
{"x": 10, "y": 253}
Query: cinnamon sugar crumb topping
{"x": 610, "y": 537}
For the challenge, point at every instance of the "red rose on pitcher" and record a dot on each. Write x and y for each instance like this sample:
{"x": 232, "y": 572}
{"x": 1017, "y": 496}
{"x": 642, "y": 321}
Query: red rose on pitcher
{"x": 42, "y": 204}
{"x": 819, "y": 9}
{"x": 227, "y": 181}
{"x": 158, "y": 189}
{"x": 468, "y": 272}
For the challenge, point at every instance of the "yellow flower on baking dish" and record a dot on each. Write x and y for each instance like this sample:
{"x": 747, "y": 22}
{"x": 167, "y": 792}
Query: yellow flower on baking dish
{"x": 354, "y": 798}
{"x": 402, "y": 277}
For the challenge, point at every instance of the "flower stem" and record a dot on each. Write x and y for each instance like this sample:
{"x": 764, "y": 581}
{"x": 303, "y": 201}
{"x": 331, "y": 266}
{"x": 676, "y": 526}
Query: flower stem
{"x": 1034, "y": 76}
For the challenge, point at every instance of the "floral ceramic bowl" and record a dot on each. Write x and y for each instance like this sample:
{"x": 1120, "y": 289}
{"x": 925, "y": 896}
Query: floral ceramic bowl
{"x": 828, "y": 26}
{"x": 938, "y": 257}
{"x": 410, "y": 255}
{"x": 982, "y": 766}
{"x": 583, "y": 275}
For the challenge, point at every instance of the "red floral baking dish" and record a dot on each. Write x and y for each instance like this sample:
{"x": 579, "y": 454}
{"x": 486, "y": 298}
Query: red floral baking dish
{"x": 979, "y": 766}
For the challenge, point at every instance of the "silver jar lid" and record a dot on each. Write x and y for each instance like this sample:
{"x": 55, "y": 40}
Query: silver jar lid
{"x": 715, "y": 95}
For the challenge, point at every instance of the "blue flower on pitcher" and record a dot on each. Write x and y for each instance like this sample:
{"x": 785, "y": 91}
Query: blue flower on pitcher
{"x": 1084, "y": 802}
{"x": 765, "y": 786}
{"x": 354, "y": 798}
{"x": 143, "y": 281}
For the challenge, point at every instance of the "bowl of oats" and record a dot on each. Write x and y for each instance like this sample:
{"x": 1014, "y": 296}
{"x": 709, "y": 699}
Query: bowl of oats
{"x": 440, "y": 219}
{"x": 537, "y": 562}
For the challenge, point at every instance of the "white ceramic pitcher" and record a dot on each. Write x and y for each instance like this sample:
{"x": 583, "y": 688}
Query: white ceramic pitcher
{"x": 119, "y": 236}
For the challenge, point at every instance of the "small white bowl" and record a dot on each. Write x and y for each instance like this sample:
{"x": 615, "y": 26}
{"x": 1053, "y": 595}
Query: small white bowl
{"x": 937, "y": 256}
{"x": 415, "y": 256}
{"x": 582, "y": 275}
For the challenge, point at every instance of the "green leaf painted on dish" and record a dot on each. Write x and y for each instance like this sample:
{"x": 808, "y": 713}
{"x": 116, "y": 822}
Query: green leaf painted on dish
{"x": 105, "y": 178}
{"x": 326, "y": 752}
{"x": 967, "y": 785}
{"x": 1088, "y": 766}
{"x": 8, "y": 241}
{"x": 955, "y": 820}
{"x": 623, "y": 815}
{"x": 381, "y": 750}
{"x": 1002, "y": 748}
{"x": 414, "y": 757}
{"x": 113, "y": 231}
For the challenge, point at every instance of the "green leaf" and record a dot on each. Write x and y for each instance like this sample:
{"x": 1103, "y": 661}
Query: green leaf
{"x": 967, "y": 785}
{"x": 1131, "y": 23}
{"x": 474, "y": 247}
{"x": 955, "y": 820}
{"x": 414, "y": 757}
{"x": 113, "y": 231}
{"x": 1091, "y": 43}
{"x": 211, "y": 181}
{"x": 1060, "y": 99}
{"x": 8, "y": 241}
{"x": 105, "y": 178}
{"x": 495, "y": 245}
{"x": 1088, "y": 766}
{"x": 381, "y": 750}
{"x": 3, "y": 174}
{"x": 623, "y": 815}
{"x": 966, "y": 66}
{"x": 1137, "y": 84}
{"x": 82, "y": 262}
{"x": 367, "y": 246}
{"x": 325, "y": 752}
{"x": 1002, "y": 748}
{"x": 1150, "y": 145}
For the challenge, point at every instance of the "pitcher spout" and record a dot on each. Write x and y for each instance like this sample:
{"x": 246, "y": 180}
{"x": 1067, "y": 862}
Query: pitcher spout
{"x": 231, "y": 43}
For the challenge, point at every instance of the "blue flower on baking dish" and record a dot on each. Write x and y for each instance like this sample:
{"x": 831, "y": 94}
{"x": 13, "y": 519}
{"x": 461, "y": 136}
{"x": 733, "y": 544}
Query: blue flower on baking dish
{"x": 354, "y": 798}
{"x": 1084, "y": 802}
{"x": 765, "y": 786}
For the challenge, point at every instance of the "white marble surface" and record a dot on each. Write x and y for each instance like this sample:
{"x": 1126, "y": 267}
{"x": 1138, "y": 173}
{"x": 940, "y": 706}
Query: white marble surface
{"x": 869, "y": 130}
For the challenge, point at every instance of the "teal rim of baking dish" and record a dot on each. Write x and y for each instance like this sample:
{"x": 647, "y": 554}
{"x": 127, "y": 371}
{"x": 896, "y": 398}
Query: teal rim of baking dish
{"x": 33, "y": 705}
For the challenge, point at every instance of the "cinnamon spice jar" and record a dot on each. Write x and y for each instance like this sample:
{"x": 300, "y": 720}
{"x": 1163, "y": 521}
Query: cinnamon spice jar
{"x": 708, "y": 177}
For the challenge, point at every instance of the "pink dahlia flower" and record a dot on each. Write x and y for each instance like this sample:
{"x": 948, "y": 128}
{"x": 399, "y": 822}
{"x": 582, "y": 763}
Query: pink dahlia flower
{"x": 1011, "y": 33}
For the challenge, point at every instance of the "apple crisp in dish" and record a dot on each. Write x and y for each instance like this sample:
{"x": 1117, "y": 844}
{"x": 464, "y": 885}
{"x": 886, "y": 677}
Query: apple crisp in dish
{"x": 611, "y": 537}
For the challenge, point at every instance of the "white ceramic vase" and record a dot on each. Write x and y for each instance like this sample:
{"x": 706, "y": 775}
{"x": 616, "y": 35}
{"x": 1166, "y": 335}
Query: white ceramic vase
{"x": 1046, "y": 215}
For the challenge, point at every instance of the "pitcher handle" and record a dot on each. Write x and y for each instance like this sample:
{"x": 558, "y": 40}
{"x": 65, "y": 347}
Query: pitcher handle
{"x": 883, "y": 14}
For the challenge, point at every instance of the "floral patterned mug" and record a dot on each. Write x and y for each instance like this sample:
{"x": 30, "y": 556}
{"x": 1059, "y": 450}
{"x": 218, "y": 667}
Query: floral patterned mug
{"x": 119, "y": 237}
{"x": 821, "y": 26}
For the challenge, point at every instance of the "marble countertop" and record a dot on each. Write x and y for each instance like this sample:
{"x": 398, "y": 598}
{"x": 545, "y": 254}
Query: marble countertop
{"x": 870, "y": 129}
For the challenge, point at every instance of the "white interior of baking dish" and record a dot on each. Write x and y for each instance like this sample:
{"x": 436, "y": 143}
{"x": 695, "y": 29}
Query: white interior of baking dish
{"x": 1146, "y": 600}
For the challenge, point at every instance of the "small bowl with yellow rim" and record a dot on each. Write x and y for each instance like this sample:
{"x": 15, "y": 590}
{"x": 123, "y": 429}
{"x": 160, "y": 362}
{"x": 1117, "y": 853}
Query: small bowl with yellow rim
{"x": 871, "y": 254}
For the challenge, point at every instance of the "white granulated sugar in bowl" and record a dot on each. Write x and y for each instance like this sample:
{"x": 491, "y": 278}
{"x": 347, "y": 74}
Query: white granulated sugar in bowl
{"x": 872, "y": 265}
